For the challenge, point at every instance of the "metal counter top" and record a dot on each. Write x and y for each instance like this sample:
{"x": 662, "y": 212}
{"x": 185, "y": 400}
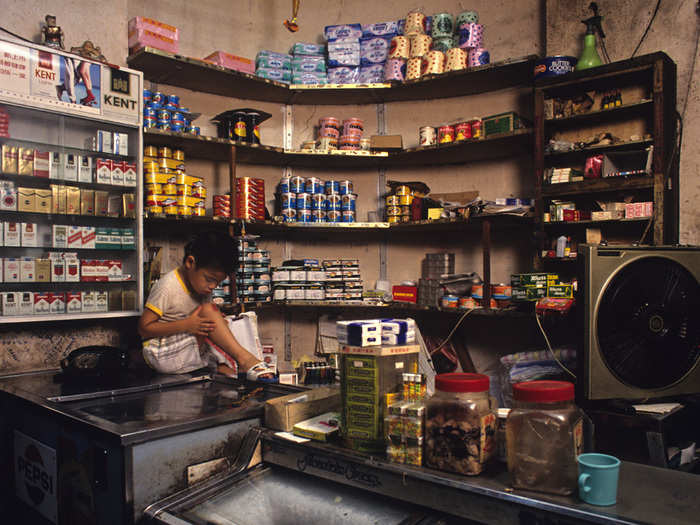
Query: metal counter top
{"x": 646, "y": 494}
{"x": 141, "y": 407}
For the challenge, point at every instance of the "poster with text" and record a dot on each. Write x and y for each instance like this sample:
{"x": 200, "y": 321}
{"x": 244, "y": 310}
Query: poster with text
{"x": 121, "y": 94}
{"x": 14, "y": 71}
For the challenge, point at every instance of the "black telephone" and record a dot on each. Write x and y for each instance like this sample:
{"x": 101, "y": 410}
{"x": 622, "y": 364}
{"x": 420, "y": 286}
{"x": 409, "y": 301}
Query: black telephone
{"x": 95, "y": 361}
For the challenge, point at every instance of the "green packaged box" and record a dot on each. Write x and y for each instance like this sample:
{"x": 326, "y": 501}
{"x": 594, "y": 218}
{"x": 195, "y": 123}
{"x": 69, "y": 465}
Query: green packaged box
{"x": 103, "y": 240}
{"x": 128, "y": 239}
{"x": 528, "y": 293}
{"x": 502, "y": 123}
{"x": 533, "y": 279}
{"x": 115, "y": 238}
{"x": 561, "y": 291}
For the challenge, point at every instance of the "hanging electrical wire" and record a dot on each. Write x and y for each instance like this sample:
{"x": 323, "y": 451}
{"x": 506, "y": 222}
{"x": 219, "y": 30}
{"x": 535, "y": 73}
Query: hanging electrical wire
{"x": 644, "y": 35}
{"x": 549, "y": 347}
{"x": 447, "y": 339}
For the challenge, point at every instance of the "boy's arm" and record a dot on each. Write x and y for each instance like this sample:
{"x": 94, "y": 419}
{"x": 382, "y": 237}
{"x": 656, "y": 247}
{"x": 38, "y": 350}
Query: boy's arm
{"x": 149, "y": 325}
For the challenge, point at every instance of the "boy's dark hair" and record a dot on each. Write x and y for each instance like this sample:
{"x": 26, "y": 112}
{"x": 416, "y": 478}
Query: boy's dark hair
{"x": 215, "y": 250}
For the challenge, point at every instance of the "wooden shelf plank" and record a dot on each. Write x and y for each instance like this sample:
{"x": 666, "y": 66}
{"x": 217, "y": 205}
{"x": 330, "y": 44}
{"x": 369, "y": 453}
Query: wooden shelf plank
{"x": 594, "y": 150}
{"x": 566, "y": 224}
{"x": 198, "y": 75}
{"x": 16, "y": 319}
{"x": 598, "y": 186}
{"x": 604, "y": 114}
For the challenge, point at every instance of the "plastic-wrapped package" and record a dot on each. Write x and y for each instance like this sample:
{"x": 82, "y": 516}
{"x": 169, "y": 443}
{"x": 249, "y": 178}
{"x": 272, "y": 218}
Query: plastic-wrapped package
{"x": 270, "y": 59}
{"x": 309, "y": 64}
{"x": 371, "y": 74}
{"x": 342, "y": 31}
{"x": 270, "y": 73}
{"x": 344, "y": 53}
{"x": 312, "y": 77}
{"x": 374, "y": 50}
{"x": 380, "y": 29}
{"x": 302, "y": 48}
{"x": 343, "y": 75}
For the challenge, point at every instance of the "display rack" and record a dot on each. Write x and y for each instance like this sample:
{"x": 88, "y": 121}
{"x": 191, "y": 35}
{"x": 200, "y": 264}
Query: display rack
{"x": 43, "y": 120}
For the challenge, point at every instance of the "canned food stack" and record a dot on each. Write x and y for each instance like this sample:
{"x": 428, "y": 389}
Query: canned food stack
{"x": 299, "y": 280}
{"x": 311, "y": 200}
{"x": 164, "y": 112}
{"x": 222, "y": 206}
{"x": 250, "y": 199}
{"x": 398, "y": 205}
{"x": 168, "y": 188}
{"x": 449, "y": 133}
{"x": 253, "y": 277}
{"x": 4, "y": 123}
{"x": 308, "y": 64}
{"x": 343, "y": 280}
{"x": 432, "y": 268}
{"x": 274, "y": 66}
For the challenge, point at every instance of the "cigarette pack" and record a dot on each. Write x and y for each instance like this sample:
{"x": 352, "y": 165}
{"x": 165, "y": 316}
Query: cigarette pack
{"x": 30, "y": 237}
{"x": 359, "y": 333}
{"x": 72, "y": 200}
{"x": 11, "y": 270}
{"x": 41, "y": 303}
{"x": 12, "y": 233}
{"x": 114, "y": 205}
{"x": 103, "y": 171}
{"x": 129, "y": 174}
{"x": 42, "y": 270}
{"x": 10, "y": 303}
{"x": 55, "y": 165}
{"x": 74, "y": 303}
{"x": 88, "y": 301}
{"x": 84, "y": 169}
{"x": 58, "y": 199}
{"x": 58, "y": 268}
{"x": 104, "y": 142}
{"x": 101, "y": 203}
{"x": 9, "y": 159}
{"x": 113, "y": 268}
{"x": 75, "y": 236}
{"x": 57, "y": 302}
{"x": 72, "y": 267}
{"x": 70, "y": 167}
{"x": 26, "y": 199}
{"x": 129, "y": 205}
{"x": 26, "y": 303}
{"x": 43, "y": 201}
{"x": 114, "y": 300}
{"x": 117, "y": 173}
{"x": 101, "y": 299}
{"x": 59, "y": 237}
{"x": 25, "y": 161}
{"x": 88, "y": 237}
{"x": 87, "y": 202}
{"x": 121, "y": 144}
{"x": 26, "y": 270}
{"x": 41, "y": 164}
{"x": 8, "y": 196}
{"x": 2, "y": 270}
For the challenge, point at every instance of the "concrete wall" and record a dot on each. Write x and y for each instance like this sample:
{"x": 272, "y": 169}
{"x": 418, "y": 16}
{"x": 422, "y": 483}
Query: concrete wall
{"x": 674, "y": 31}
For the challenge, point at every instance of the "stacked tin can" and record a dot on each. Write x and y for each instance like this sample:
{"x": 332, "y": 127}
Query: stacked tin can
{"x": 250, "y": 199}
{"x": 168, "y": 188}
{"x": 432, "y": 267}
{"x": 301, "y": 281}
{"x": 253, "y": 277}
{"x": 312, "y": 200}
{"x": 448, "y": 133}
{"x": 348, "y": 136}
{"x": 164, "y": 112}
{"x": 398, "y": 205}
{"x": 222, "y": 206}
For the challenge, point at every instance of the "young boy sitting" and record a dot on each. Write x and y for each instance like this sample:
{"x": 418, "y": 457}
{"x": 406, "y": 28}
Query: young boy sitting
{"x": 179, "y": 316}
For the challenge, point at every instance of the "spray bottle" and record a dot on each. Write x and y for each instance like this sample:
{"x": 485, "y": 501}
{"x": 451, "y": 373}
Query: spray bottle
{"x": 589, "y": 57}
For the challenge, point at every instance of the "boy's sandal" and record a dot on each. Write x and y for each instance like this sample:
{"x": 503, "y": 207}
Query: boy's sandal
{"x": 260, "y": 369}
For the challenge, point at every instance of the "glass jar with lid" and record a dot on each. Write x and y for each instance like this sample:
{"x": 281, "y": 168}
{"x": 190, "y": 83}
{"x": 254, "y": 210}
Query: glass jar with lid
{"x": 544, "y": 435}
{"x": 460, "y": 424}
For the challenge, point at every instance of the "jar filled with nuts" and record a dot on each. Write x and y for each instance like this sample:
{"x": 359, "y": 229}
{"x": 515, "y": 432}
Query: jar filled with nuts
{"x": 460, "y": 424}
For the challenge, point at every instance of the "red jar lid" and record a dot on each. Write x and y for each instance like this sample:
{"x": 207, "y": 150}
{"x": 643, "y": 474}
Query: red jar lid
{"x": 543, "y": 391}
{"x": 462, "y": 382}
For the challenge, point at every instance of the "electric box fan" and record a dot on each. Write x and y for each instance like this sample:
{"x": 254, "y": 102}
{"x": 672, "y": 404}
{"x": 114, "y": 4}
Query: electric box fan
{"x": 642, "y": 322}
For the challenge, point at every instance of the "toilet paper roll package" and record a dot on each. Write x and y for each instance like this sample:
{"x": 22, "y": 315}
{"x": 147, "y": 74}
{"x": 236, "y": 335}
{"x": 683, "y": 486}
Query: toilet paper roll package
{"x": 343, "y": 75}
{"x": 374, "y": 50}
{"x": 344, "y": 53}
{"x": 342, "y": 31}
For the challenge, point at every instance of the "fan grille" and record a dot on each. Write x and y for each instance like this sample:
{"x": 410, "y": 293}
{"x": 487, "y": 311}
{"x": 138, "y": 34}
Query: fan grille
{"x": 648, "y": 323}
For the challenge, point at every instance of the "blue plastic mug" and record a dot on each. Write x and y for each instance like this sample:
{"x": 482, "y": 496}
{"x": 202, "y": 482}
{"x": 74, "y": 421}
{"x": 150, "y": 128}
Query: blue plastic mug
{"x": 597, "y": 478}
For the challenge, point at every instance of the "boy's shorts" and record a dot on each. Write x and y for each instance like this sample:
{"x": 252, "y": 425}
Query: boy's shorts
{"x": 181, "y": 353}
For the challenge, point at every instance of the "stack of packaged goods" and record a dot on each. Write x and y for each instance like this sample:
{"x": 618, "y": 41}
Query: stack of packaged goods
{"x": 344, "y": 55}
{"x": 343, "y": 280}
{"x": 164, "y": 112}
{"x": 314, "y": 201}
{"x": 371, "y": 374}
{"x": 274, "y": 66}
{"x": 299, "y": 280}
{"x": 404, "y": 422}
{"x": 233, "y": 62}
{"x": 316, "y": 373}
{"x": 536, "y": 286}
{"x": 398, "y": 205}
{"x": 308, "y": 64}
{"x": 250, "y": 195}
{"x": 374, "y": 50}
{"x": 168, "y": 188}
{"x": 146, "y": 32}
{"x": 253, "y": 274}
{"x": 433, "y": 267}
{"x": 222, "y": 206}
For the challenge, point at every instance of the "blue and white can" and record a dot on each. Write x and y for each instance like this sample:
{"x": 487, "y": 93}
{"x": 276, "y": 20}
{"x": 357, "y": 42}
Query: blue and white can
{"x": 174, "y": 100}
{"x": 318, "y": 201}
{"x": 303, "y": 215}
{"x": 149, "y": 112}
{"x": 193, "y": 129}
{"x": 303, "y": 201}
{"x": 283, "y": 186}
{"x": 345, "y": 187}
{"x": 333, "y": 203}
{"x": 163, "y": 124}
{"x": 171, "y": 107}
{"x": 333, "y": 216}
{"x": 314, "y": 185}
{"x": 296, "y": 184}
{"x": 348, "y": 216}
{"x": 289, "y": 215}
{"x": 288, "y": 200}
{"x": 147, "y": 96}
{"x": 348, "y": 202}
{"x": 158, "y": 97}
{"x": 155, "y": 105}
{"x": 331, "y": 187}
{"x": 149, "y": 122}
{"x": 177, "y": 126}
{"x": 318, "y": 216}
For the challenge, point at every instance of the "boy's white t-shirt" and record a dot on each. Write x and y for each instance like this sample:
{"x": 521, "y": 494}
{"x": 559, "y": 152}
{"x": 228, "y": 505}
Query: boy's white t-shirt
{"x": 171, "y": 300}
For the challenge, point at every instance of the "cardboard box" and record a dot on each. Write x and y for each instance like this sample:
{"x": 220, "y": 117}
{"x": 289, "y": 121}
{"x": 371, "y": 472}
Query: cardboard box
{"x": 87, "y": 202}
{"x": 12, "y": 233}
{"x": 26, "y": 303}
{"x": 30, "y": 236}
{"x": 140, "y": 38}
{"x": 319, "y": 428}
{"x": 386, "y": 142}
{"x": 378, "y": 351}
{"x": 26, "y": 199}
{"x": 72, "y": 200}
{"x": 74, "y": 303}
{"x": 42, "y": 269}
{"x": 636, "y": 210}
{"x": 103, "y": 171}
{"x": 70, "y": 167}
{"x": 84, "y": 169}
{"x": 11, "y": 269}
{"x": 282, "y": 413}
{"x": 55, "y": 165}
{"x": 43, "y": 201}
{"x": 227, "y": 60}
{"x": 405, "y": 294}
{"x": 41, "y": 303}
{"x": 57, "y": 302}
{"x": 10, "y": 303}
{"x": 41, "y": 164}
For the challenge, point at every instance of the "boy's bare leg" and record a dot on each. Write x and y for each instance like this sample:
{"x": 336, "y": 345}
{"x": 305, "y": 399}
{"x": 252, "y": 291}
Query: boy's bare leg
{"x": 222, "y": 336}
